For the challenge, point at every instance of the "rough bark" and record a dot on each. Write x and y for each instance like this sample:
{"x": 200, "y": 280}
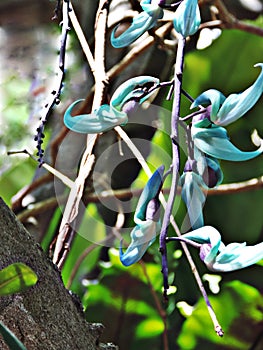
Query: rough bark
{"x": 47, "y": 316}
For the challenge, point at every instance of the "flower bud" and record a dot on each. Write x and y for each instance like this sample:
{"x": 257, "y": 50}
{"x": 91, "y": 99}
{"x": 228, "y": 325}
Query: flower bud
{"x": 187, "y": 18}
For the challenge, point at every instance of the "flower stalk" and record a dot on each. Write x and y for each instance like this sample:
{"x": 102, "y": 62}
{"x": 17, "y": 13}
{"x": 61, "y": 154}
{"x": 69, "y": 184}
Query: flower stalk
{"x": 178, "y": 74}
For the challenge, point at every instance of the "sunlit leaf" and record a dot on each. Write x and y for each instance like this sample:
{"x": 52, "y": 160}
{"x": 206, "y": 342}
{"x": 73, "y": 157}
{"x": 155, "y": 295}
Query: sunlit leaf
{"x": 16, "y": 278}
{"x": 151, "y": 327}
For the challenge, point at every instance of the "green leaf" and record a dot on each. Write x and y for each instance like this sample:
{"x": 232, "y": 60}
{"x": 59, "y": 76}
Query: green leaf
{"x": 10, "y": 339}
{"x": 16, "y": 278}
{"x": 151, "y": 327}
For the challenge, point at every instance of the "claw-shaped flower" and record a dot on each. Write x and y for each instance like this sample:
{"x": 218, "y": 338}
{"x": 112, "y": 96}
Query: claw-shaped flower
{"x": 193, "y": 195}
{"x": 140, "y": 24}
{"x": 144, "y": 233}
{"x": 219, "y": 257}
{"x": 187, "y": 18}
{"x": 227, "y": 110}
{"x": 214, "y": 141}
{"x": 108, "y": 116}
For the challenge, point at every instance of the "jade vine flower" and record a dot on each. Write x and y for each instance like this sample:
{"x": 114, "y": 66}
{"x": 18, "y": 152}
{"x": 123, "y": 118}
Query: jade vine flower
{"x": 140, "y": 24}
{"x": 147, "y": 224}
{"x": 106, "y": 117}
{"x": 214, "y": 141}
{"x": 219, "y": 257}
{"x": 203, "y": 172}
{"x": 192, "y": 195}
{"x": 227, "y": 110}
{"x": 187, "y": 18}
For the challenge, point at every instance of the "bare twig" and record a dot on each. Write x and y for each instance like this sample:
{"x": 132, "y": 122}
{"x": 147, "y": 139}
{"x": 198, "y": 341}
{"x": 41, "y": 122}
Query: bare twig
{"x": 40, "y": 207}
{"x": 68, "y": 182}
{"x": 67, "y": 232}
{"x": 81, "y": 37}
{"x": 228, "y": 20}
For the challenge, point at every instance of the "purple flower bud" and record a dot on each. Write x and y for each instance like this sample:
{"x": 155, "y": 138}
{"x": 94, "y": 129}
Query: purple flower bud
{"x": 205, "y": 250}
{"x": 152, "y": 211}
{"x": 130, "y": 107}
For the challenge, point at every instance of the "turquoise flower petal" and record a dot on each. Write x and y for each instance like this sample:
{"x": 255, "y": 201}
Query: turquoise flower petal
{"x": 133, "y": 88}
{"x": 187, "y": 18}
{"x": 150, "y": 191}
{"x": 207, "y": 235}
{"x": 106, "y": 117}
{"x": 227, "y": 110}
{"x": 142, "y": 236}
{"x": 214, "y": 141}
{"x": 140, "y": 24}
{"x": 213, "y": 97}
{"x": 103, "y": 119}
{"x": 144, "y": 233}
{"x": 193, "y": 197}
{"x": 236, "y": 105}
{"x": 221, "y": 258}
{"x": 237, "y": 256}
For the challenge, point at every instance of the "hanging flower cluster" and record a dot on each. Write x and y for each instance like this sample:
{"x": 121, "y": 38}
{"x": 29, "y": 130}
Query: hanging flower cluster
{"x": 208, "y": 140}
{"x": 211, "y": 144}
{"x": 211, "y": 141}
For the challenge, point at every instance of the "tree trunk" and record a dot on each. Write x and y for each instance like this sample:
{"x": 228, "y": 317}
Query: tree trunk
{"x": 46, "y": 316}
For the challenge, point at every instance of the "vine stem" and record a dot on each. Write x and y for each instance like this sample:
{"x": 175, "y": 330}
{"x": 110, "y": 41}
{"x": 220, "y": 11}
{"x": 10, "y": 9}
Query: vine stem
{"x": 54, "y": 96}
{"x": 168, "y": 218}
{"x": 178, "y": 73}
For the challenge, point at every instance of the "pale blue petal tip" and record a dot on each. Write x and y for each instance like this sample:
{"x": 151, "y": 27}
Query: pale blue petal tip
{"x": 130, "y": 257}
{"x": 142, "y": 237}
{"x": 101, "y": 120}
